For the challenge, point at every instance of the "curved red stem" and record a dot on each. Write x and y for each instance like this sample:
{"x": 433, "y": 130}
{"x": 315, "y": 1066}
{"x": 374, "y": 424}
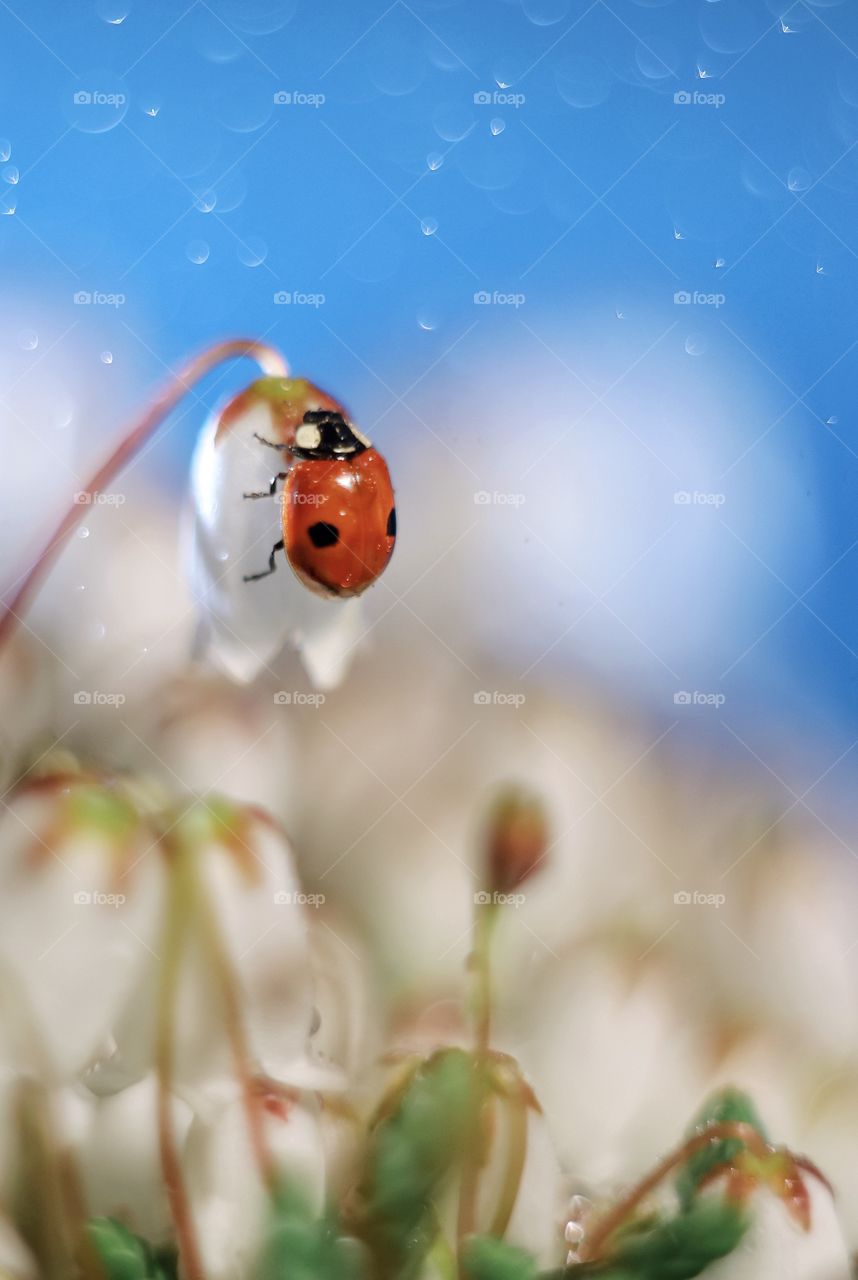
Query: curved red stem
{"x": 197, "y": 367}
{"x": 615, "y": 1217}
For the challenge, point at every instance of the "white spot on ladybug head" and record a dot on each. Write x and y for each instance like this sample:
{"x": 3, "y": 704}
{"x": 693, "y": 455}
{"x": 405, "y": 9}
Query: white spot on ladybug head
{"x": 308, "y": 436}
{"x": 360, "y": 437}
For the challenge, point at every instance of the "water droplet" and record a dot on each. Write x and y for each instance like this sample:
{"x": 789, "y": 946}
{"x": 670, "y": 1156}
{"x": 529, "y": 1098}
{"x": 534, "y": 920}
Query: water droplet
{"x": 427, "y": 321}
{"x": 83, "y": 532}
{"x": 223, "y": 555}
{"x": 798, "y": 179}
{"x": 98, "y": 630}
{"x": 206, "y": 201}
{"x": 5, "y": 150}
{"x": 451, "y": 121}
{"x": 107, "y": 357}
{"x": 11, "y": 175}
{"x": 719, "y": 262}
{"x": 28, "y": 340}
{"x": 695, "y": 345}
{"x": 198, "y": 251}
{"x": 434, "y": 160}
{"x": 544, "y": 13}
{"x": 113, "y": 11}
{"x": 252, "y": 251}
{"x": 497, "y": 126}
{"x": 429, "y": 226}
{"x": 582, "y": 82}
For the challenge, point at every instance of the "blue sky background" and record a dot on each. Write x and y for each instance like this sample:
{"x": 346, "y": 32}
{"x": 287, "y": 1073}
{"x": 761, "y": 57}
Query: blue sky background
{"x": 596, "y": 159}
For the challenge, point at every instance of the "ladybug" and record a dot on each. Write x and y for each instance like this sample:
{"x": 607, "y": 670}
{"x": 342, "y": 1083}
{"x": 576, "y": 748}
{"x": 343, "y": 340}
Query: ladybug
{"x": 337, "y": 508}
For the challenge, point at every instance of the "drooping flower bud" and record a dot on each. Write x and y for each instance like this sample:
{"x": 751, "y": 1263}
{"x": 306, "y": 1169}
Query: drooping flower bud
{"x": 517, "y": 840}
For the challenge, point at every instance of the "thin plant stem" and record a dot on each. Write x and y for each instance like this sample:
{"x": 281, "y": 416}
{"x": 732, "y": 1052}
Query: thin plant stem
{"x": 271, "y": 363}
{"x": 484, "y": 921}
{"x": 176, "y": 926}
{"x": 238, "y": 1040}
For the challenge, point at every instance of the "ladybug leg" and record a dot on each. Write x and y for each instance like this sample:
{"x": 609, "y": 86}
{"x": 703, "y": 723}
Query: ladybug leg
{"x": 271, "y": 490}
{"x": 271, "y": 444}
{"x": 272, "y": 565}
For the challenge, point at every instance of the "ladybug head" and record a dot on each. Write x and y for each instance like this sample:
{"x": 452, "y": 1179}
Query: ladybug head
{"x": 324, "y": 434}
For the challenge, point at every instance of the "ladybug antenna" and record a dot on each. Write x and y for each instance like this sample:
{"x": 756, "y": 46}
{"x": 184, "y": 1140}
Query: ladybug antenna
{"x": 269, "y": 360}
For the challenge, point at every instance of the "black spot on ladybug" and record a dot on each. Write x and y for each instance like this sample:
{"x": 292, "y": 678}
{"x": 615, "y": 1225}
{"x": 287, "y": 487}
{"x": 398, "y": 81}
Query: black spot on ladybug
{"x": 391, "y": 523}
{"x": 323, "y": 534}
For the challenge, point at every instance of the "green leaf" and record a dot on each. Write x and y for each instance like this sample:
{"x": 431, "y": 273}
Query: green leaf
{"x": 728, "y": 1106}
{"x": 485, "y": 1258}
{"x": 411, "y": 1152}
{"x": 125, "y": 1256}
{"x": 675, "y": 1248}
{"x": 300, "y": 1246}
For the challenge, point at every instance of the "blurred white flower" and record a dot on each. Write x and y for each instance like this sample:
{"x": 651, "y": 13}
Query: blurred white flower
{"x": 119, "y": 1159}
{"x": 595, "y": 1045}
{"x": 80, "y": 899}
{"x": 229, "y": 1197}
{"x": 206, "y": 732}
{"x": 778, "y": 1244}
{"x": 238, "y": 938}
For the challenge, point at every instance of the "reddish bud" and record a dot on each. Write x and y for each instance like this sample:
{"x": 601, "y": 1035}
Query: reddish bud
{"x": 517, "y": 839}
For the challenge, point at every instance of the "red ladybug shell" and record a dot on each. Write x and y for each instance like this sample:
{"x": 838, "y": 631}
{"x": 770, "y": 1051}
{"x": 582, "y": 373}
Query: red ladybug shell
{"x": 339, "y": 521}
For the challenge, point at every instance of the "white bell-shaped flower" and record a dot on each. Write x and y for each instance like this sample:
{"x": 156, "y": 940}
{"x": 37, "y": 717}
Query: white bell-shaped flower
{"x": 246, "y": 624}
{"x": 230, "y": 1197}
{"x": 234, "y": 939}
{"x": 81, "y": 893}
{"x": 119, "y": 1159}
